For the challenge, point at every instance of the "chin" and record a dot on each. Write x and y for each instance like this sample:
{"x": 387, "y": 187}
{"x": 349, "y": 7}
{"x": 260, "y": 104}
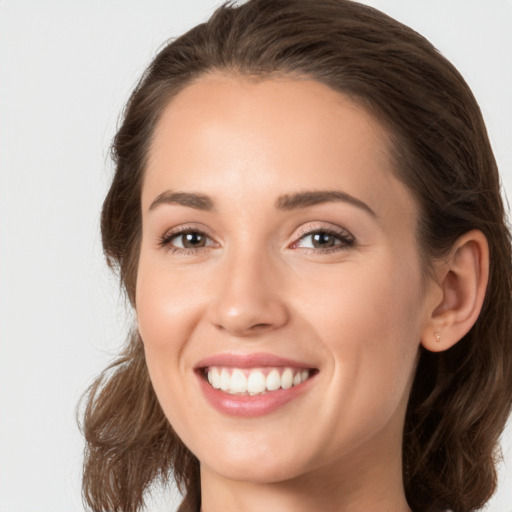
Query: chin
{"x": 256, "y": 472}
{"x": 261, "y": 466}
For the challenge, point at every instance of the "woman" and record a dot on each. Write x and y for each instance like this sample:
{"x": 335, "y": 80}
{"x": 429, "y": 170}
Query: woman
{"x": 306, "y": 217}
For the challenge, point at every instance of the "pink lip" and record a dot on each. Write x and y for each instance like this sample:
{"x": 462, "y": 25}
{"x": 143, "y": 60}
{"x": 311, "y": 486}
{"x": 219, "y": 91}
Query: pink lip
{"x": 245, "y": 405}
{"x": 257, "y": 360}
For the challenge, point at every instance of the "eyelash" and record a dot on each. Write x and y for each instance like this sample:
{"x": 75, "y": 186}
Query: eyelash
{"x": 347, "y": 240}
{"x": 166, "y": 240}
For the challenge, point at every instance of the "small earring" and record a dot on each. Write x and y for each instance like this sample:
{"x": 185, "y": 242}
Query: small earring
{"x": 438, "y": 336}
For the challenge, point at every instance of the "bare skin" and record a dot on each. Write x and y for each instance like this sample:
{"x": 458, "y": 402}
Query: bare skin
{"x": 336, "y": 283}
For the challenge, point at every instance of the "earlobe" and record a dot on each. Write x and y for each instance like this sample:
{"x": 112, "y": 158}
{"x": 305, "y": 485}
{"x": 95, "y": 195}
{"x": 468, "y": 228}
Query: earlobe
{"x": 462, "y": 278}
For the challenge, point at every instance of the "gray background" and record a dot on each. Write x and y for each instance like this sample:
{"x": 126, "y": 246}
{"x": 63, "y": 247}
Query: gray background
{"x": 66, "y": 69}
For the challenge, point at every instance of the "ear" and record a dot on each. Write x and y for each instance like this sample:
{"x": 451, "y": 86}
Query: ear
{"x": 462, "y": 280}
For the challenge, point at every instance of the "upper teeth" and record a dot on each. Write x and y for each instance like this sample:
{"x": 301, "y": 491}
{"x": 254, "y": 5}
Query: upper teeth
{"x": 256, "y": 380}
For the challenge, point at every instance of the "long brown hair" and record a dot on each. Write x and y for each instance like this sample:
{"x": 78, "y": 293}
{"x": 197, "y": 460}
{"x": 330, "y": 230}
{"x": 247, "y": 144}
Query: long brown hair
{"x": 461, "y": 398}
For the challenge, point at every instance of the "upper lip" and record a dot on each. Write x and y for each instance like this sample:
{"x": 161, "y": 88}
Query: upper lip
{"x": 256, "y": 360}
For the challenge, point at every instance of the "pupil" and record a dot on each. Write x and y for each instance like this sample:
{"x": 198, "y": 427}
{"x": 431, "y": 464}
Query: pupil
{"x": 193, "y": 240}
{"x": 323, "y": 239}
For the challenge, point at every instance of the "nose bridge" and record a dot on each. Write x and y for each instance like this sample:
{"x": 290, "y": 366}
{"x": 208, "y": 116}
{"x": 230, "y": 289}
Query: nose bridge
{"x": 249, "y": 299}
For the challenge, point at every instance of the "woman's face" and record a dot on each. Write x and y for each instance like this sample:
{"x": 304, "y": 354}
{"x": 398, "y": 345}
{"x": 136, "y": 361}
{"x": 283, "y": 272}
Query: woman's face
{"x": 278, "y": 250}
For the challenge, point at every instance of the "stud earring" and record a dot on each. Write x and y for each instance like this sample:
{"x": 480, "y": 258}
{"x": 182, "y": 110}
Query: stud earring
{"x": 438, "y": 336}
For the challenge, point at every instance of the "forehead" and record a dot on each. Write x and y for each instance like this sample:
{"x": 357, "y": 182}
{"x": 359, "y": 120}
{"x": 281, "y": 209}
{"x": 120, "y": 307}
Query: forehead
{"x": 280, "y": 133}
{"x": 219, "y": 110}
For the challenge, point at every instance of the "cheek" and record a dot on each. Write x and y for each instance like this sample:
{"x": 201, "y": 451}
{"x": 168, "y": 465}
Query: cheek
{"x": 167, "y": 311}
{"x": 369, "y": 319}
{"x": 375, "y": 349}
{"x": 167, "y": 307}
{"x": 387, "y": 315}
{"x": 368, "y": 301}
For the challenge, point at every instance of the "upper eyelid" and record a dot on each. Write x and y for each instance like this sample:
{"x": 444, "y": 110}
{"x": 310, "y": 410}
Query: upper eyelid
{"x": 301, "y": 231}
{"x": 178, "y": 230}
{"x": 308, "y": 231}
{"x": 310, "y": 228}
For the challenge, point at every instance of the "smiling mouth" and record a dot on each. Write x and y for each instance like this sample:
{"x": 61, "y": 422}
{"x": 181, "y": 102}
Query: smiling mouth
{"x": 255, "y": 381}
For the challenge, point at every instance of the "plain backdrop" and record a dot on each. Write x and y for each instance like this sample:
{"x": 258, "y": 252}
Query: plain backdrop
{"x": 66, "y": 69}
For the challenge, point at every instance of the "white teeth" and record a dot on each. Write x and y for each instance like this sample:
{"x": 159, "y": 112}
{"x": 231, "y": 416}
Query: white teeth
{"x": 273, "y": 380}
{"x": 238, "y": 382}
{"x": 254, "y": 381}
{"x": 225, "y": 380}
{"x": 214, "y": 378}
{"x": 287, "y": 379}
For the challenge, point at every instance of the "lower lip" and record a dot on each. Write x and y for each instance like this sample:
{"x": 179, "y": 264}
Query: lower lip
{"x": 250, "y": 406}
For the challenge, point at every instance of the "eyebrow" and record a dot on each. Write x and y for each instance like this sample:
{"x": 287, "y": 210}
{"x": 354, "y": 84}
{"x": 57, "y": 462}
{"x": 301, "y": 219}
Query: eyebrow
{"x": 311, "y": 198}
{"x": 285, "y": 202}
{"x": 190, "y": 199}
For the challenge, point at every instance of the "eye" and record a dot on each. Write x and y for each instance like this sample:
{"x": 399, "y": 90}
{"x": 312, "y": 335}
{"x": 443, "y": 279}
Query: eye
{"x": 186, "y": 240}
{"x": 325, "y": 240}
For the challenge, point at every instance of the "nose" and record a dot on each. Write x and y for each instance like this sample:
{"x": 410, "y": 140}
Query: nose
{"x": 249, "y": 300}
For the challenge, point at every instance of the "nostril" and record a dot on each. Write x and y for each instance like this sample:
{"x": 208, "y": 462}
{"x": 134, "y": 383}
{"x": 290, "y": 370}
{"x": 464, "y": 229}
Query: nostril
{"x": 260, "y": 326}
{"x": 250, "y": 315}
{"x": 241, "y": 330}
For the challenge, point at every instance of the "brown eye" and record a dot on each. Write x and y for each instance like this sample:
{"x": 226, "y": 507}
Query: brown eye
{"x": 321, "y": 240}
{"x": 325, "y": 240}
{"x": 191, "y": 240}
{"x": 186, "y": 240}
